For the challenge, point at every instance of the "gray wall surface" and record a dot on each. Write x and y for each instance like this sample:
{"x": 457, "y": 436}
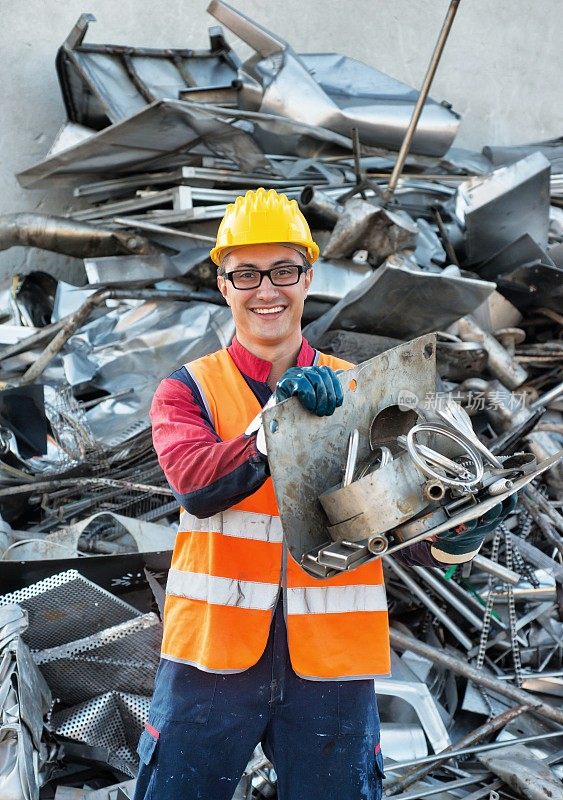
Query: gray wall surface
{"x": 501, "y": 69}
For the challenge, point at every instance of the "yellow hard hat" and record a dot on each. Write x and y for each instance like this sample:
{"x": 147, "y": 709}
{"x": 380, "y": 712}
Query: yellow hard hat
{"x": 263, "y": 217}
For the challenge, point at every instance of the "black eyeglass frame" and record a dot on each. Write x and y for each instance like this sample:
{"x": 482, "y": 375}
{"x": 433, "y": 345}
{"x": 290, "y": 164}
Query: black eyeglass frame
{"x": 301, "y": 270}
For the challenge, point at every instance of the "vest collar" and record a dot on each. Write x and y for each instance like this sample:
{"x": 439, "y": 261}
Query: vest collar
{"x": 257, "y": 368}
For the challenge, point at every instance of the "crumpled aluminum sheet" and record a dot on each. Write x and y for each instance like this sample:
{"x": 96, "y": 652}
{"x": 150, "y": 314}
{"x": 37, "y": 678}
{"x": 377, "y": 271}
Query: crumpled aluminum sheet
{"x": 113, "y": 720}
{"x": 66, "y": 607}
{"x": 133, "y": 352}
{"x": 25, "y": 700}
{"x": 134, "y": 536}
{"x": 402, "y": 303}
{"x": 123, "y": 658}
{"x": 346, "y": 94}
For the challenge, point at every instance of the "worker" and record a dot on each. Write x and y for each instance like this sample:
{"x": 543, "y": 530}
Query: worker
{"x": 255, "y": 650}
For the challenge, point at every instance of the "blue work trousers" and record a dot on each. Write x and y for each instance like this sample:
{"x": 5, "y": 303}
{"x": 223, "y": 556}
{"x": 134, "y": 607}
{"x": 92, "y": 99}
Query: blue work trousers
{"x": 321, "y": 736}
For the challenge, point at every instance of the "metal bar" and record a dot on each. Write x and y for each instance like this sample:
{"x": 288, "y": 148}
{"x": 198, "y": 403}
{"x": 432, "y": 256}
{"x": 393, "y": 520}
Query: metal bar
{"x": 136, "y": 80}
{"x": 448, "y": 247}
{"x": 74, "y": 321}
{"x": 413, "y": 586}
{"x": 438, "y": 585}
{"x": 30, "y": 342}
{"x": 545, "y": 506}
{"x": 401, "y": 641}
{"x": 481, "y": 748}
{"x": 417, "y": 111}
{"x": 545, "y": 399}
{"x": 152, "y": 227}
{"x": 492, "y": 568}
{"x": 467, "y": 741}
{"x": 357, "y": 161}
{"x": 438, "y": 788}
{"x": 47, "y": 486}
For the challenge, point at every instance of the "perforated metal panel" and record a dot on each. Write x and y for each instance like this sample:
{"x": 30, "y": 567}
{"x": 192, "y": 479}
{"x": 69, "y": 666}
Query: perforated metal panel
{"x": 66, "y": 607}
{"x": 122, "y": 658}
{"x": 114, "y": 721}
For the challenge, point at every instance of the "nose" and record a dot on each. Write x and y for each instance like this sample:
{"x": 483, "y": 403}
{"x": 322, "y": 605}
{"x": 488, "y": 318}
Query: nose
{"x": 266, "y": 289}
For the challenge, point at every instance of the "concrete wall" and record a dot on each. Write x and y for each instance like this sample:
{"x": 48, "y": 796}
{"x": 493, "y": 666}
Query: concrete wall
{"x": 501, "y": 69}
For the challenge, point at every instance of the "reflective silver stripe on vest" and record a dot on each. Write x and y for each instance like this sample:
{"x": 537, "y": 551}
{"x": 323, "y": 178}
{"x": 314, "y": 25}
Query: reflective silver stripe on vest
{"x": 244, "y": 524}
{"x": 222, "y": 591}
{"x": 201, "y": 392}
{"x": 336, "y": 599}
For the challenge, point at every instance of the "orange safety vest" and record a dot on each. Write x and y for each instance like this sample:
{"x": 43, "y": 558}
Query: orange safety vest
{"x": 227, "y": 571}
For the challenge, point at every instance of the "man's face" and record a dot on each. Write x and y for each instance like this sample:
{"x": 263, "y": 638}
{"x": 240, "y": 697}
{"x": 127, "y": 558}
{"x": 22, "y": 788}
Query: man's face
{"x": 269, "y": 314}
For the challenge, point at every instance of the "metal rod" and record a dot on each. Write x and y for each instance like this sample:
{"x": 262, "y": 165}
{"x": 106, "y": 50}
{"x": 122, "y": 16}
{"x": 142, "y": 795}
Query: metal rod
{"x": 492, "y": 568}
{"x": 47, "y": 486}
{"x": 357, "y": 161}
{"x": 419, "y": 592}
{"x": 401, "y": 641}
{"x": 545, "y": 399}
{"x": 467, "y": 741}
{"x": 439, "y": 788}
{"x": 481, "y": 748}
{"x": 417, "y": 111}
{"x": 439, "y": 586}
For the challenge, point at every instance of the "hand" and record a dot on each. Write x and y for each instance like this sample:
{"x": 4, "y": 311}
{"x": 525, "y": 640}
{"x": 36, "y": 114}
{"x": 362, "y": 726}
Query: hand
{"x": 464, "y": 542}
{"x": 317, "y": 388}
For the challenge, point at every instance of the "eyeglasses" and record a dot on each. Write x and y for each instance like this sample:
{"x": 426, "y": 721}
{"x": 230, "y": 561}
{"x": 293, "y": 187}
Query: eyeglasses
{"x": 285, "y": 275}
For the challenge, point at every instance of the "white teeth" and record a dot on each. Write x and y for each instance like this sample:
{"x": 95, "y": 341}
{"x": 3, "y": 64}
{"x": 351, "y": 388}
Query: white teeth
{"x": 274, "y": 310}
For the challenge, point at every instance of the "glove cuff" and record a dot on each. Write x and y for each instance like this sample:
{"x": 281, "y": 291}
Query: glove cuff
{"x": 257, "y": 427}
{"x": 452, "y": 558}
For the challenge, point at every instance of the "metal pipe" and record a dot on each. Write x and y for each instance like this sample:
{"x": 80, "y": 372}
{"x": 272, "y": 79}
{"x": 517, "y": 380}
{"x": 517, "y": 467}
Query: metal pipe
{"x": 68, "y": 237}
{"x": 79, "y": 317}
{"x": 312, "y": 200}
{"x": 417, "y": 110}
{"x": 481, "y": 677}
{"x": 492, "y": 568}
{"x": 413, "y": 586}
{"x": 502, "y": 365}
{"x": 467, "y": 741}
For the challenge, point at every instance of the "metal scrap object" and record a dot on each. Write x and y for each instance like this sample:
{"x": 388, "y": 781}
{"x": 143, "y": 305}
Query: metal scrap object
{"x": 316, "y": 88}
{"x": 68, "y": 237}
{"x": 316, "y": 446}
{"x": 524, "y": 772}
{"x": 500, "y": 362}
{"x": 509, "y": 202}
{"x": 66, "y": 607}
{"x": 402, "y": 303}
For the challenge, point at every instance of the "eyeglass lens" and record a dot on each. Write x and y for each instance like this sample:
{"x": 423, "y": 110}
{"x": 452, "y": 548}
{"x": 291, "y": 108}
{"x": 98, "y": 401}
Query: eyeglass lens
{"x": 279, "y": 276}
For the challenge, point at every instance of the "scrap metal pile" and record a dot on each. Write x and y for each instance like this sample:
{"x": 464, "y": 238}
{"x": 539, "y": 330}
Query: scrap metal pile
{"x": 468, "y": 245}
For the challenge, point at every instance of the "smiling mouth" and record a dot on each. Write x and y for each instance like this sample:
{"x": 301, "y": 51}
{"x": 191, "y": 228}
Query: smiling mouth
{"x": 264, "y": 312}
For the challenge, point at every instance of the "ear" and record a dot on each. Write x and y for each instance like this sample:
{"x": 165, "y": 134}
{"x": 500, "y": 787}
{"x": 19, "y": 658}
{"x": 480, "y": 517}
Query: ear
{"x": 308, "y": 277}
{"x": 222, "y": 286}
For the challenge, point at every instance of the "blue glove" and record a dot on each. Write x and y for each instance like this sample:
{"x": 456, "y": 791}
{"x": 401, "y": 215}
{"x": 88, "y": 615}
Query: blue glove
{"x": 464, "y": 542}
{"x": 317, "y": 388}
